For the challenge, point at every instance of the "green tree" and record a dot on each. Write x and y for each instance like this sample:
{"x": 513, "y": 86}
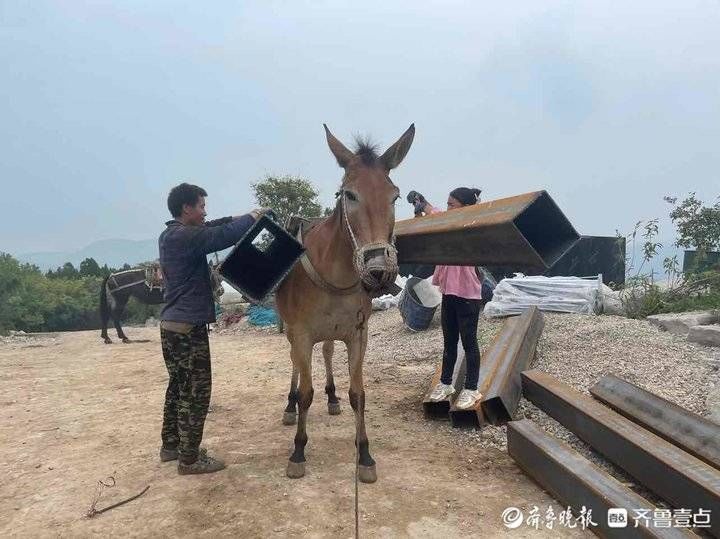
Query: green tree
{"x": 697, "y": 225}
{"x": 57, "y": 301}
{"x": 288, "y": 195}
{"x": 67, "y": 271}
{"x": 90, "y": 268}
{"x": 11, "y": 279}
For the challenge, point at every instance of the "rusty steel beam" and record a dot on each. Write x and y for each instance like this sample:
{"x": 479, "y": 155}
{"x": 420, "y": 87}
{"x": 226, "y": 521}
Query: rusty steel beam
{"x": 678, "y": 477}
{"x": 439, "y": 410}
{"x": 505, "y": 388}
{"x": 488, "y": 366}
{"x": 525, "y": 232}
{"x": 687, "y": 430}
{"x": 575, "y": 481}
{"x": 499, "y": 381}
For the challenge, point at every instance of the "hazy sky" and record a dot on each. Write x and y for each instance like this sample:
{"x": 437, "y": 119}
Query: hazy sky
{"x": 105, "y": 105}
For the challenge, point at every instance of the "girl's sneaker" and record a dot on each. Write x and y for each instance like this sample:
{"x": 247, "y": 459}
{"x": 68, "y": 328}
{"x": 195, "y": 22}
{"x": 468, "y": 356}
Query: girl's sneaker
{"x": 467, "y": 399}
{"x": 441, "y": 392}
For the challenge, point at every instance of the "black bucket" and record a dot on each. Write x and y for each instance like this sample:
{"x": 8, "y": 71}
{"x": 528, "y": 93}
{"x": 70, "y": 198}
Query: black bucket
{"x": 261, "y": 260}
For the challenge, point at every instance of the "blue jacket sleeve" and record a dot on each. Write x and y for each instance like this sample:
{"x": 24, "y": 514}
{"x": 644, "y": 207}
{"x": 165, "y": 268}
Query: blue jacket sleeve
{"x": 207, "y": 240}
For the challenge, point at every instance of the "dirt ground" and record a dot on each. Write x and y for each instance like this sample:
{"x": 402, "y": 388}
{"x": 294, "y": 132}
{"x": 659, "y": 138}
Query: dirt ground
{"x": 76, "y": 411}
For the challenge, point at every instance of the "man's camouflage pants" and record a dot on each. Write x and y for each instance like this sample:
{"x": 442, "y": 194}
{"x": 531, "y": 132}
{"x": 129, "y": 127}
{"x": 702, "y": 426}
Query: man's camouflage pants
{"x": 187, "y": 358}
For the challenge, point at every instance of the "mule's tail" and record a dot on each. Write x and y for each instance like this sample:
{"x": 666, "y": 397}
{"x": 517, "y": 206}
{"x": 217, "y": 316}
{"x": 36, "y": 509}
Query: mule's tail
{"x": 104, "y": 308}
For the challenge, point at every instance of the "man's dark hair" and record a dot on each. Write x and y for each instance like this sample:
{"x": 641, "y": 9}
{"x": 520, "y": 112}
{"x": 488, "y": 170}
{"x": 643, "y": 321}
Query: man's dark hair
{"x": 182, "y": 194}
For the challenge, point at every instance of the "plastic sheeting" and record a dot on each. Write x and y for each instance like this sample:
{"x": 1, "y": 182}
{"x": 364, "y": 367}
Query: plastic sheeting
{"x": 230, "y": 295}
{"x": 262, "y": 316}
{"x": 388, "y": 301}
{"x": 556, "y": 294}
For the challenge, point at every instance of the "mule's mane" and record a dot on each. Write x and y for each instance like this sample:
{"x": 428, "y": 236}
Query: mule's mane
{"x": 366, "y": 150}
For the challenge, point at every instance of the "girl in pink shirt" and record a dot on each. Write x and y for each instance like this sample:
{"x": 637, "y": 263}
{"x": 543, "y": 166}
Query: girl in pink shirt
{"x": 461, "y": 289}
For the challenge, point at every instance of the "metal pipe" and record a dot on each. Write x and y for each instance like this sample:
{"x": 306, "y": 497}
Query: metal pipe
{"x": 687, "y": 430}
{"x": 525, "y": 231}
{"x": 673, "y": 474}
{"x": 575, "y": 481}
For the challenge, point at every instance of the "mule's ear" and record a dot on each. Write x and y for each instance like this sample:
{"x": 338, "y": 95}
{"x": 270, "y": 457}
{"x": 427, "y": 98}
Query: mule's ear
{"x": 341, "y": 153}
{"x": 394, "y": 155}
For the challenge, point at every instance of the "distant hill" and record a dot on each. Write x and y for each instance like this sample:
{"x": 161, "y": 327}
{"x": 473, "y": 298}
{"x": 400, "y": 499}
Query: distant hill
{"x": 116, "y": 252}
{"x": 113, "y": 252}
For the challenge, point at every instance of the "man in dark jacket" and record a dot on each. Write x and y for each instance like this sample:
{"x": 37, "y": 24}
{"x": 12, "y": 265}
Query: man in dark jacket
{"x": 189, "y": 308}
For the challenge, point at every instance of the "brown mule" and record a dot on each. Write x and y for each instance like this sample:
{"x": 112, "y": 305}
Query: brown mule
{"x": 326, "y": 297}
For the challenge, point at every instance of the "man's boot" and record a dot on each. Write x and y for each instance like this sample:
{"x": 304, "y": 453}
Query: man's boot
{"x": 166, "y": 454}
{"x": 204, "y": 464}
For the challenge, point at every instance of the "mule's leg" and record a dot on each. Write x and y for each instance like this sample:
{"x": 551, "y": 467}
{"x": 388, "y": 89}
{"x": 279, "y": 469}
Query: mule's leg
{"x": 103, "y": 332}
{"x": 301, "y": 354}
{"x": 333, "y": 402}
{"x": 290, "y": 414}
{"x": 356, "y": 354}
{"x": 107, "y": 304}
{"x": 117, "y": 315}
{"x": 104, "y": 319}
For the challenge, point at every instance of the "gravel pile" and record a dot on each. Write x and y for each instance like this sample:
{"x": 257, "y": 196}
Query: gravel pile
{"x": 577, "y": 349}
{"x": 580, "y": 350}
{"x": 20, "y": 339}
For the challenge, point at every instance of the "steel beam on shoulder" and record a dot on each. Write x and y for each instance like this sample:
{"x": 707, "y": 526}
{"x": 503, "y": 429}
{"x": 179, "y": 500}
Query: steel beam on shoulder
{"x": 527, "y": 231}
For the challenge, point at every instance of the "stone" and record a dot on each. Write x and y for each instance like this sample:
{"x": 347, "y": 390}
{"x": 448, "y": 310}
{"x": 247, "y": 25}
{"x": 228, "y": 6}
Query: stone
{"x": 713, "y": 405}
{"x": 613, "y": 302}
{"x": 621, "y": 302}
{"x": 707, "y": 335}
{"x": 680, "y": 323}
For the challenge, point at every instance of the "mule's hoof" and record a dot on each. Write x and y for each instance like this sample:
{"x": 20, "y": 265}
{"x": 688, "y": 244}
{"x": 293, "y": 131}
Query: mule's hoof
{"x": 295, "y": 470}
{"x": 289, "y": 418}
{"x": 127, "y": 341}
{"x": 108, "y": 341}
{"x": 367, "y": 474}
{"x": 334, "y": 408}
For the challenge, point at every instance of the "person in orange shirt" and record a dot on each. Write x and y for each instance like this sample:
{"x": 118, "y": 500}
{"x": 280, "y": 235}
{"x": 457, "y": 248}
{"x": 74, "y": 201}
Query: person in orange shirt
{"x": 461, "y": 288}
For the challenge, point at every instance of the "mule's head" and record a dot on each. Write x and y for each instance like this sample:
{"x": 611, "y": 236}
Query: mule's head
{"x": 366, "y": 202}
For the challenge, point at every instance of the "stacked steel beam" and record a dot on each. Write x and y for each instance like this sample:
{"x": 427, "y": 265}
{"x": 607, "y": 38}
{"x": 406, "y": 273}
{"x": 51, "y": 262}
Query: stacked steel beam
{"x": 661, "y": 461}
